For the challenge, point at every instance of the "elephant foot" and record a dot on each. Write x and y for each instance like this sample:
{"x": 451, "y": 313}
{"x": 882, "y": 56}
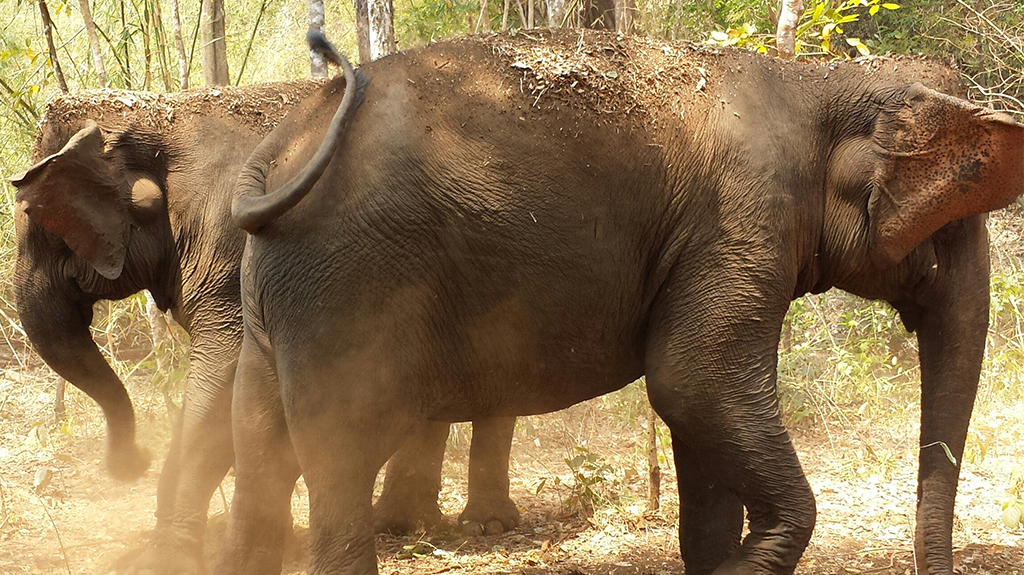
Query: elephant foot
{"x": 392, "y": 515}
{"x": 489, "y": 516}
{"x": 162, "y": 556}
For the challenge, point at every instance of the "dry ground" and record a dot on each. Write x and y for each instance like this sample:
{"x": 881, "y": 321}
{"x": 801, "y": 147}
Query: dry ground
{"x": 81, "y": 521}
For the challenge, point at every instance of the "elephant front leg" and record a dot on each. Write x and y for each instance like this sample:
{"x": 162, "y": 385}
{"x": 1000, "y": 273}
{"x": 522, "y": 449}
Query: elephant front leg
{"x": 412, "y": 482}
{"x": 710, "y": 515}
{"x": 952, "y": 324}
{"x": 490, "y": 510}
{"x": 201, "y": 454}
{"x": 711, "y": 369}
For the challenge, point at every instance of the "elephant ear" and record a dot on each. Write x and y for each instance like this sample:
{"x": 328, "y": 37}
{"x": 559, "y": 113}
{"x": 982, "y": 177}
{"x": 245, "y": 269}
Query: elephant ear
{"x": 946, "y": 159}
{"x": 79, "y": 195}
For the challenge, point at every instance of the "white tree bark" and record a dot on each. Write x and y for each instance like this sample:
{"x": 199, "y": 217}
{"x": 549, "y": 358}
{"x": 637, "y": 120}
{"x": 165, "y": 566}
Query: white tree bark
{"x": 483, "y": 19}
{"x": 215, "y": 56}
{"x": 363, "y": 31}
{"x": 179, "y": 46}
{"x": 785, "y": 34}
{"x": 317, "y": 65}
{"x": 382, "y": 28}
{"x": 624, "y": 12}
{"x": 94, "y": 43}
{"x": 556, "y": 13}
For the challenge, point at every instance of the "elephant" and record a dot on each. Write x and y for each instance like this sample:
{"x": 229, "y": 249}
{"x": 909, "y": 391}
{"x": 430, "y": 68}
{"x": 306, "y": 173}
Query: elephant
{"x": 132, "y": 191}
{"x": 503, "y": 225}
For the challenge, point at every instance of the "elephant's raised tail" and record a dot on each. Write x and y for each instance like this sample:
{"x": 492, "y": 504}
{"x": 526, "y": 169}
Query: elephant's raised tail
{"x": 253, "y": 208}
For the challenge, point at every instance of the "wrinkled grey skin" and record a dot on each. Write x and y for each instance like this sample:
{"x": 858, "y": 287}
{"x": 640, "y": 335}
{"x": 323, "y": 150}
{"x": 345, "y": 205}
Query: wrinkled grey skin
{"x": 161, "y": 194}
{"x": 474, "y": 250}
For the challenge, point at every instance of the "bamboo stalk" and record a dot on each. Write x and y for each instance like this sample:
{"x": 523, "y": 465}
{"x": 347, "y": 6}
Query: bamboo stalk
{"x": 145, "y": 25}
{"x": 252, "y": 37}
{"x": 161, "y": 45}
{"x": 195, "y": 36}
{"x": 44, "y": 12}
{"x": 24, "y": 104}
{"x": 504, "y": 15}
{"x": 127, "y": 56}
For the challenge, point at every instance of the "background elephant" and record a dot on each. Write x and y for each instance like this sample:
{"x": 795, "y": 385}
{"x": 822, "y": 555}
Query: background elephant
{"x": 132, "y": 191}
{"x": 511, "y": 224}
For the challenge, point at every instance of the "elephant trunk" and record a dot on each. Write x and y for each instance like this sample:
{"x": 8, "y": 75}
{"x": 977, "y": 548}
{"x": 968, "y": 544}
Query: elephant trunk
{"x": 252, "y": 208}
{"x": 57, "y": 323}
{"x": 951, "y": 336}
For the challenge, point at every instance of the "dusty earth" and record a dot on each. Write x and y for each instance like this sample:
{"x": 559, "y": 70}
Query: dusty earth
{"x": 61, "y": 514}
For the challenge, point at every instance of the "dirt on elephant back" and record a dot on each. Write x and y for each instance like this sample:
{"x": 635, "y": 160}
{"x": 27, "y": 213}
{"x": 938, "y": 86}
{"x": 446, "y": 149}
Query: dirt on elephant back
{"x": 579, "y": 477}
{"x": 605, "y": 73}
{"x": 259, "y": 106}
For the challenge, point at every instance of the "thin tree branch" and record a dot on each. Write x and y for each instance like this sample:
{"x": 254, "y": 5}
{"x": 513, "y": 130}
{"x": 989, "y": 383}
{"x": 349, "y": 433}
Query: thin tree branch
{"x": 44, "y": 12}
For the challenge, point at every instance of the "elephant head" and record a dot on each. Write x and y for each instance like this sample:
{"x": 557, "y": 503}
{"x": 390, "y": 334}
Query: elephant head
{"x": 91, "y": 224}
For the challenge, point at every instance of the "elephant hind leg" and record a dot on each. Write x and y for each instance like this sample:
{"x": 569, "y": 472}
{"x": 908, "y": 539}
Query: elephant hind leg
{"x": 265, "y": 470}
{"x": 490, "y": 510}
{"x": 342, "y": 439}
{"x": 711, "y": 363}
{"x": 412, "y": 482}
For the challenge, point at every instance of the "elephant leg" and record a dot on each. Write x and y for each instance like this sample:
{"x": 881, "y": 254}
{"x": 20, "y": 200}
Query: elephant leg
{"x": 201, "y": 454}
{"x": 412, "y": 482}
{"x": 710, "y": 515}
{"x": 711, "y": 373}
{"x": 951, "y": 318}
{"x": 490, "y": 510}
{"x": 265, "y": 470}
{"x": 167, "y": 486}
{"x": 340, "y": 449}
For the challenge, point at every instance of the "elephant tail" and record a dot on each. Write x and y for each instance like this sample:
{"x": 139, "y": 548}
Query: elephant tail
{"x": 252, "y": 208}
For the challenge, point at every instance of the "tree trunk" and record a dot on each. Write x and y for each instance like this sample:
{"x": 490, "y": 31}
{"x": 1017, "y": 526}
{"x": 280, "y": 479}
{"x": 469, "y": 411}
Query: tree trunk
{"x": 785, "y": 34}
{"x": 529, "y": 15}
{"x": 363, "y": 31}
{"x": 624, "y": 12}
{"x": 59, "y": 407}
{"x": 215, "y": 57}
{"x": 556, "y": 13}
{"x": 382, "y": 28}
{"x": 504, "y": 15}
{"x": 48, "y": 32}
{"x": 179, "y": 46}
{"x": 653, "y": 469}
{"x": 94, "y": 44}
{"x": 483, "y": 21}
{"x": 317, "y": 65}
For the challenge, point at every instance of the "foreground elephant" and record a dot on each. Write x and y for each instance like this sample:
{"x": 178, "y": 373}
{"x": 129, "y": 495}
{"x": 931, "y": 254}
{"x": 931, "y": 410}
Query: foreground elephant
{"x": 141, "y": 201}
{"x": 509, "y": 225}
